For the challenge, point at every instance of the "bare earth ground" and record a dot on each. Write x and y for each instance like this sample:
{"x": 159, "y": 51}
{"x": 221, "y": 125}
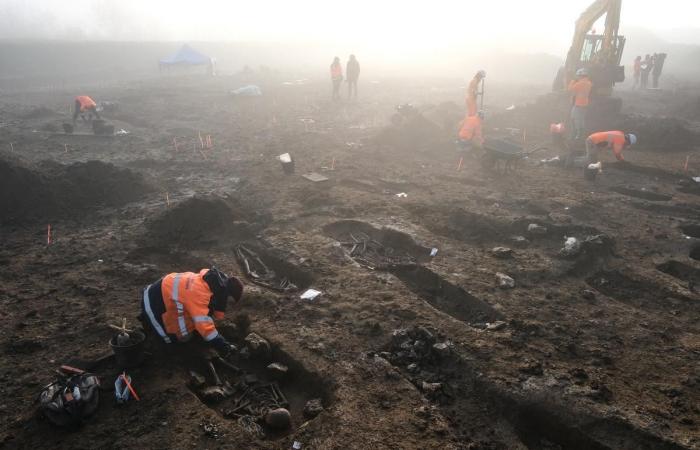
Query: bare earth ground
{"x": 613, "y": 368}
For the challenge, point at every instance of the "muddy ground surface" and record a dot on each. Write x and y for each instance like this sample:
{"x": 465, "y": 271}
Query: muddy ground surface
{"x": 595, "y": 350}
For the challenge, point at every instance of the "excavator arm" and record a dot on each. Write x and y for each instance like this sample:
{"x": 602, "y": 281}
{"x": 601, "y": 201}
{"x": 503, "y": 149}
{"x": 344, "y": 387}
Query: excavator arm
{"x": 601, "y": 54}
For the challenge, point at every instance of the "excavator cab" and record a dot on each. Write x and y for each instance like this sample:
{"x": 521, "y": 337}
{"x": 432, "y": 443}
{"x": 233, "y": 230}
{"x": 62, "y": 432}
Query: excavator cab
{"x": 603, "y": 61}
{"x": 600, "y": 54}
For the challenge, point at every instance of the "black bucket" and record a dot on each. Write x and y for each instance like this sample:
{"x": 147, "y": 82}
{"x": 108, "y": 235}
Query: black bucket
{"x": 590, "y": 174}
{"x": 288, "y": 167}
{"x": 131, "y": 354}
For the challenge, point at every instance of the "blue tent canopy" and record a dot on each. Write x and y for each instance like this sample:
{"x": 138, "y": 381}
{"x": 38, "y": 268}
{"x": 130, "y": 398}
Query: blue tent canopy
{"x": 187, "y": 56}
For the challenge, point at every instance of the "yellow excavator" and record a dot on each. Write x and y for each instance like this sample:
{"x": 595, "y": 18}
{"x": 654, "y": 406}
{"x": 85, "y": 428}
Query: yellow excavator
{"x": 599, "y": 54}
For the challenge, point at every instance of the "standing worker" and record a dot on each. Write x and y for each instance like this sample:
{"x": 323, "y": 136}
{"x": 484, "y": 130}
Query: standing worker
{"x": 581, "y": 88}
{"x": 656, "y": 70}
{"x": 84, "y": 104}
{"x": 180, "y": 303}
{"x": 647, "y": 65}
{"x": 352, "y": 71}
{"x": 637, "y": 70}
{"x": 336, "y": 77}
{"x": 473, "y": 92}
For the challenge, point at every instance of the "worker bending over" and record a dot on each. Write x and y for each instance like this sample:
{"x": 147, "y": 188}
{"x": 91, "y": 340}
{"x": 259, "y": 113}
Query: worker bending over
{"x": 83, "y": 105}
{"x": 470, "y": 132}
{"x": 615, "y": 140}
{"x": 581, "y": 88}
{"x": 473, "y": 92}
{"x": 179, "y": 304}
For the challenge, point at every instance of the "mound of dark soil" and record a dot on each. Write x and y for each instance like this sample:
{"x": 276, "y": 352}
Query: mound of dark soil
{"x": 39, "y": 112}
{"x": 95, "y": 183}
{"x": 202, "y": 220}
{"x": 25, "y": 193}
{"x": 660, "y": 134}
{"x": 53, "y": 190}
{"x": 412, "y": 131}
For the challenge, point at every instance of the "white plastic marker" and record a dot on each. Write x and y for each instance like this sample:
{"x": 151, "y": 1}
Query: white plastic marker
{"x": 167, "y": 199}
{"x": 48, "y": 235}
{"x": 459, "y": 165}
{"x": 201, "y": 141}
{"x": 65, "y": 147}
{"x": 685, "y": 167}
{"x": 175, "y": 144}
{"x": 333, "y": 164}
{"x": 12, "y": 149}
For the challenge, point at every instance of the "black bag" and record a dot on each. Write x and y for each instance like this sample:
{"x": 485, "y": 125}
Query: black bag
{"x": 67, "y": 401}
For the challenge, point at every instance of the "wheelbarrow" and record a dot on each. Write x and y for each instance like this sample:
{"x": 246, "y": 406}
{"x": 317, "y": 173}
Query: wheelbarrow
{"x": 507, "y": 152}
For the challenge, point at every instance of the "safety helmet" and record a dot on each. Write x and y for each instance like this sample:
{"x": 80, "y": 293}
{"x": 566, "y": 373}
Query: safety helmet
{"x": 631, "y": 138}
{"x": 582, "y": 73}
{"x": 481, "y": 73}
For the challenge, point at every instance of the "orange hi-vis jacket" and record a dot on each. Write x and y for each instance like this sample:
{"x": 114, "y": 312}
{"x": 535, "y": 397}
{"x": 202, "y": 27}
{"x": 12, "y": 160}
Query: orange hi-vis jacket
{"x": 472, "y": 92}
{"x": 610, "y": 139}
{"x": 85, "y": 102}
{"x": 471, "y": 130}
{"x": 582, "y": 90}
{"x": 186, "y": 297}
{"x": 336, "y": 71}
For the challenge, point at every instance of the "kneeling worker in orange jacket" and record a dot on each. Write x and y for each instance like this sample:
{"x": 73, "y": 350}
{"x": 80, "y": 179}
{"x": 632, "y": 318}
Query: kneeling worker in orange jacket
{"x": 179, "y": 304}
{"x": 615, "y": 140}
{"x": 84, "y": 104}
{"x": 471, "y": 130}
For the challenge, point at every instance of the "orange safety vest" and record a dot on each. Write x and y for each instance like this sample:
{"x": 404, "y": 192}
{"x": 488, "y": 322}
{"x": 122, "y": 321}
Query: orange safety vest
{"x": 611, "y": 139}
{"x": 85, "y": 102}
{"x": 472, "y": 93}
{"x": 582, "y": 89}
{"x": 471, "y": 130}
{"x": 336, "y": 71}
{"x": 186, "y": 297}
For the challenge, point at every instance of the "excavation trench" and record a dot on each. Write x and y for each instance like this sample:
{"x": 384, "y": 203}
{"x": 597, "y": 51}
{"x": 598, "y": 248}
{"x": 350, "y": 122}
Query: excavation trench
{"x": 397, "y": 253}
{"x": 692, "y": 230}
{"x": 250, "y": 391}
{"x": 643, "y": 194}
{"x": 680, "y": 270}
{"x": 270, "y": 268}
{"x": 445, "y": 296}
{"x": 484, "y": 414}
{"x": 636, "y": 292}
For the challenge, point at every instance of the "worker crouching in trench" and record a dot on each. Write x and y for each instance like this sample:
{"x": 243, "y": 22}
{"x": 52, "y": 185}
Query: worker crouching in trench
{"x": 182, "y": 307}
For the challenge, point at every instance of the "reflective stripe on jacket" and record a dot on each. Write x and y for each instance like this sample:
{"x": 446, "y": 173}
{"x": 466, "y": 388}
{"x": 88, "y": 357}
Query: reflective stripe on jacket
{"x": 186, "y": 298}
{"x": 611, "y": 139}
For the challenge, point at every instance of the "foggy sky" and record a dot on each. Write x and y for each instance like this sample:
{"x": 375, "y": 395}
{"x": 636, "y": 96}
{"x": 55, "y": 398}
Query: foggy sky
{"x": 389, "y": 26}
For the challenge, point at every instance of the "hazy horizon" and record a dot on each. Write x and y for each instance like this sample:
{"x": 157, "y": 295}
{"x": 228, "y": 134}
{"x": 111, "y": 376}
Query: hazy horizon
{"x": 537, "y": 26}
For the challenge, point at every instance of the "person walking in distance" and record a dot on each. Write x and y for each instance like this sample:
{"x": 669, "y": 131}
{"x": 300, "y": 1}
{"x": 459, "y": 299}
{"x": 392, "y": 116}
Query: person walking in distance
{"x": 352, "y": 72}
{"x": 637, "y": 70}
{"x": 647, "y": 65}
{"x": 336, "y": 77}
